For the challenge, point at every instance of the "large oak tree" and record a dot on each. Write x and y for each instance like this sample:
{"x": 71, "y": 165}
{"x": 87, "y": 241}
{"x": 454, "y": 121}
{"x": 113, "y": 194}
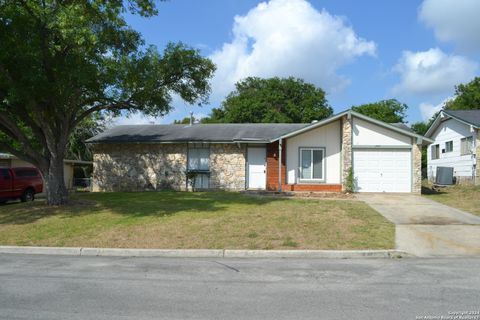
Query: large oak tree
{"x": 257, "y": 100}
{"x": 64, "y": 61}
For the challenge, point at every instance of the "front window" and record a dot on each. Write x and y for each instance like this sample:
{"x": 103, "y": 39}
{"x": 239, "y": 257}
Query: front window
{"x": 449, "y": 146}
{"x": 435, "y": 149}
{"x": 198, "y": 159}
{"x": 199, "y": 166}
{"x": 312, "y": 164}
{"x": 466, "y": 145}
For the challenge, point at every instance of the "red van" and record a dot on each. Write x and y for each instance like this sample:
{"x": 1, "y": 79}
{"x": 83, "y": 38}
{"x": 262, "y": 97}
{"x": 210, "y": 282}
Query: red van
{"x": 20, "y": 183}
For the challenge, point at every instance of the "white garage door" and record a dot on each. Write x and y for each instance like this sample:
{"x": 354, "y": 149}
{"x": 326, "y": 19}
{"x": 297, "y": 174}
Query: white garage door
{"x": 382, "y": 170}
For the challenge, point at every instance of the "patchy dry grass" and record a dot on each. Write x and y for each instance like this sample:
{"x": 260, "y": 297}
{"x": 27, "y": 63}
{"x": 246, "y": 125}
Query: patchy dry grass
{"x": 464, "y": 197}
{"x": 196, "y": 220}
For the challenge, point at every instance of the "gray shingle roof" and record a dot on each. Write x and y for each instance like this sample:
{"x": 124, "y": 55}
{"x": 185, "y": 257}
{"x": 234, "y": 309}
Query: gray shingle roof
{"x": 469, "y": 116}
{"x": 402, "y": 126}
{"x": 232, "y": 132}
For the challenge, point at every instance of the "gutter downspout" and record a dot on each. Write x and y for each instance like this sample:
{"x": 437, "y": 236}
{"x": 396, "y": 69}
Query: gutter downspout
{"x": 280, "y": 165}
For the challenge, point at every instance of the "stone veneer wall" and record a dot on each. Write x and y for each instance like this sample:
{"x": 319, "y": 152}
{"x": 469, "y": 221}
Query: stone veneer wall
{"x": 417, "y": 168}
{"x": 477, "y": 157}
{"x": 139, "y": 167}
{"x": 346, "y": 147}
{"x": 227, "y": 166}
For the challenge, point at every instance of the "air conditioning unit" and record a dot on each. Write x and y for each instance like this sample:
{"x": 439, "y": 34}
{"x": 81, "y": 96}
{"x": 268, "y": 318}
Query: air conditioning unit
{"x": 444, "y": 176}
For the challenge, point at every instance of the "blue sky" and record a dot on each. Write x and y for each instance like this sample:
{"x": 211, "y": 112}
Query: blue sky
{"x": 357, "y": 51}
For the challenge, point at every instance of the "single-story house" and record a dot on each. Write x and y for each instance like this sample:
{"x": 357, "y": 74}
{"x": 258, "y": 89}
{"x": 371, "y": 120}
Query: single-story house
{"x": 11, "y": 161}
{"x": 284, "y": 157}
{"x": 456, "y": 136}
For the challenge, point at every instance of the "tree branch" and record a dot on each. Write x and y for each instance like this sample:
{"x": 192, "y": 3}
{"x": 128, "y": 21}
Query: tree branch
{"x": 100, "y": 107}
{"x": 22, "y": 155}
{"x": 13, "y": 131}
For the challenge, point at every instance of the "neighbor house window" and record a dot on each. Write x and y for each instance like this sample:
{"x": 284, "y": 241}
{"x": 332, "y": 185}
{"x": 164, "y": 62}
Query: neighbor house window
{"x": 312, "y": 164}
{"x": 466, "y": 145}
{"x": 435, "y": 151}
{"x": 449, "y": 146}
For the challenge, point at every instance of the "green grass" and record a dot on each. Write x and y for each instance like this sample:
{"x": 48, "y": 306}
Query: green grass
{"x": 196, "y": 220}
{"x": 464, "y": 197}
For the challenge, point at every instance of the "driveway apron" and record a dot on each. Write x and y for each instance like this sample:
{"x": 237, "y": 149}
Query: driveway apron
{"x": 424, "y": 227}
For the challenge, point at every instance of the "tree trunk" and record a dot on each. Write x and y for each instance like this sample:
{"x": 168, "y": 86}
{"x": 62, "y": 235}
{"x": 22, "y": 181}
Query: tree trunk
{"x": 57, "y": 193}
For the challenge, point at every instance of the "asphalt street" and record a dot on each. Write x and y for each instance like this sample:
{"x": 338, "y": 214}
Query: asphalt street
{"x": 67, "y": 287}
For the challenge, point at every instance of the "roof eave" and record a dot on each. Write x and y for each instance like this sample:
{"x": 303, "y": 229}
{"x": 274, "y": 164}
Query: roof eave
{"x": 312, "y": 126}
{"x": 461, "y": 120}
{"x": 440, "y": 117}
{"x": 389, "y": 126}
{"x": 180, "y": 141}
{"x": 358, "y": 115}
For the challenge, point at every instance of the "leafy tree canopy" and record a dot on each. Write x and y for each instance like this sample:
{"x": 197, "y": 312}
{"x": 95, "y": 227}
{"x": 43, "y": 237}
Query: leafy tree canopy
{"x": 64, "y": 61}
{"x": 390, "y": 111}
{"x": 467, "y": 96}
{"x": 273, "y": 100}
{"x": 421, "y": 127}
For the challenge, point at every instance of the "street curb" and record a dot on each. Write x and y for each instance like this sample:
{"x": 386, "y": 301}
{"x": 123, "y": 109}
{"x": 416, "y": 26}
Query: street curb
{"x": 117, "y": 252}
{"x": 330, "y": 254}
{"x": 205, "y": 253}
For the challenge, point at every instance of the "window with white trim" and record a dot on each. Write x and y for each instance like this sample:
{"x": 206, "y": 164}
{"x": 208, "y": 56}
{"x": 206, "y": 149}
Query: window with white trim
{"x": 435, "y": 150}
{"x": 449, "y": 146}
{"x": 312, "y": 164}
{"x": 466, "y": 146}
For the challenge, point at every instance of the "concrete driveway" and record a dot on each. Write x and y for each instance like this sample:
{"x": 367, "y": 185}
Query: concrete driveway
{"x": 425, "y": 227}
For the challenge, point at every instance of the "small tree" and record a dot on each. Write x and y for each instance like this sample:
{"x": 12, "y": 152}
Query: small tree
{"x": 349, "y": 183}
{"x": 191, "y": 177}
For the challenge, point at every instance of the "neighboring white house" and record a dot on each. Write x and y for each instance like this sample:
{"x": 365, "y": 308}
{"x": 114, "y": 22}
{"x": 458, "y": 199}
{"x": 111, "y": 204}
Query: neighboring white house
{"x": 11, "y": 161}
{"x": 456, "y": 144}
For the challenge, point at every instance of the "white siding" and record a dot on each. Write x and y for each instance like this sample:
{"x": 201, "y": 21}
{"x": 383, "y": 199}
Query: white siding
{"x": 451, "y": 130}
{"x": 367, "y": 133}
{"x": 327, "y": 137}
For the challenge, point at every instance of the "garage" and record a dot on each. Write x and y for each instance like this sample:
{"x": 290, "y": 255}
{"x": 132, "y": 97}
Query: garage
{"x": 382, "y": 170}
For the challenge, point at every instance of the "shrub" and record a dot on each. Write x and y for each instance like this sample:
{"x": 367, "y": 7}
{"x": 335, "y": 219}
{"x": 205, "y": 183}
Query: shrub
{"x": 349, "y": 183}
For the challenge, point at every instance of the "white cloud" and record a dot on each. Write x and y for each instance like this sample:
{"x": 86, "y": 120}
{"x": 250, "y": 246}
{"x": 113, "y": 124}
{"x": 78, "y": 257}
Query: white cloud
{"x": 432, "y": 72}
{"x": 454, "y": 21}
{"x": 428, "y": 110}
{"x": 288, "y": 38}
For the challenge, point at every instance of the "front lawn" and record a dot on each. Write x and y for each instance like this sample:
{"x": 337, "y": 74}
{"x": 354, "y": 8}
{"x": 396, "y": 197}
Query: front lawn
{"x": 196, "y": 220}
{"x": 464, "y": 197}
